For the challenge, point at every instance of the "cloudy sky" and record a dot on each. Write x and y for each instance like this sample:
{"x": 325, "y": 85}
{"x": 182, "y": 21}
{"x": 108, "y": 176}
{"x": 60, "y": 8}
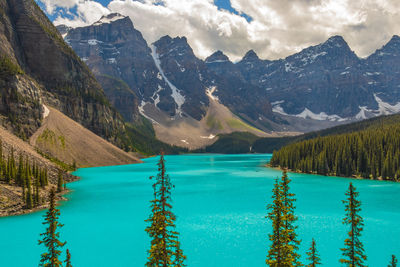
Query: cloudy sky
{"x": 273, "y": 28}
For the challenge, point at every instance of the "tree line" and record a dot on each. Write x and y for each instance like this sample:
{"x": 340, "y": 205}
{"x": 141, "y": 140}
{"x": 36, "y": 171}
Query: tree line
{"x": 372, "y": 153}
{"x": 25, "y": 174}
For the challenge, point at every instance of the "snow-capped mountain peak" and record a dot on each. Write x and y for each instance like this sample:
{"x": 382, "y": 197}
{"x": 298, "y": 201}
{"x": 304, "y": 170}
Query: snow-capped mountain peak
{"x": 109, "y": 18}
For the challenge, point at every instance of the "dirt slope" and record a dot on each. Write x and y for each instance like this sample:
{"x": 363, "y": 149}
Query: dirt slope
{"x": 68, "y": 141}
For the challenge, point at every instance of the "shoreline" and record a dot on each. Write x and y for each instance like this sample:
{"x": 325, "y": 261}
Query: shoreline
{"x": 17, "y": 207}
{"x": 328, "y": 175}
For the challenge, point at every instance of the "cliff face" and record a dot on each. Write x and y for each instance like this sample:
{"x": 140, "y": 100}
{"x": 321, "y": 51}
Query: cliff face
{"x": 47, "y": 70}
{"x": 117, "y": 54}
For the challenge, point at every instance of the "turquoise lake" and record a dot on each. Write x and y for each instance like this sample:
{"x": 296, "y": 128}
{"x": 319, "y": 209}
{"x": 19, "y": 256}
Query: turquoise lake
{"x": 220, "y": 201}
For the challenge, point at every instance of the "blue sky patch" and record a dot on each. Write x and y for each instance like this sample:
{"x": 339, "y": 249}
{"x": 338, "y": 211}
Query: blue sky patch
{"x": 226, "y": 5}
{"x": 221, "y": 4}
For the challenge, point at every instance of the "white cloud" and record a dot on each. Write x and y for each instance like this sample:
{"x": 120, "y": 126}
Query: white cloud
{"x": 88, "y": 12}
{"x": 278, "y": 29}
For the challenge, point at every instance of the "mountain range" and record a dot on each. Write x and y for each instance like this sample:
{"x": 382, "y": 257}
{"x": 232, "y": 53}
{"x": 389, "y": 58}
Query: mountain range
{"x": 321, "y": 86}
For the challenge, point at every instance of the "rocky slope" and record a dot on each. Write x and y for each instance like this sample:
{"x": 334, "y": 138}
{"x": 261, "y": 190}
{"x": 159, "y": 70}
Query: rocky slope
{"x": 66, "y": 140}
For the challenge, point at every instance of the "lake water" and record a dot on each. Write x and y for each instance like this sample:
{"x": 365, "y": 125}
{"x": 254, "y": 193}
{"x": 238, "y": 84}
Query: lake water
{"x": 220, "y": 201}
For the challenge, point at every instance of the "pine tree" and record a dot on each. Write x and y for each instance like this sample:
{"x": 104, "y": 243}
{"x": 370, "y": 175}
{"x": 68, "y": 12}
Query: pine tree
{"x": 12, "y": 167}
{"x": 283, "y": 239}
{"x": 164, "y": 250}
{"x": 20, "y": 170}
{"x": 37, "y": 191}
{"x": 313, "y": 256}
{"x": 68, "y": 259}
{"x": 179, "y": 258}
{"x": 353, "y": 251}
{"x": 51, "y": 236}
{"x": 59, "y": 182}
{"x": 289, "y": 220}
{"x": 274, "y": 257}
{"x": 46, "y": 181}
{"x": 393, "y": 262}
{"x": 29, "y": 198}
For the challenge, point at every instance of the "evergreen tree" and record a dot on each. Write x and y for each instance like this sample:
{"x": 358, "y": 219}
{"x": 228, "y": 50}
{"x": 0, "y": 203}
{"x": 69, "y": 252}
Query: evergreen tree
{"x": 20, "y": 170}
{"x": 164, "y": 250}
{"x": 12, "y": 167}
{"x": 29, "y": 198}
{"x": 393, "y": 262}
{"x": 51, "y": 236}
{"x": 42, "y": 178}
{"x": 284, "y": 243}
{"x": 289, "y": 219}
{"x": 37, "y": 191}
{"x": 68, "y": 259}
{"x": 179, "y": 258}
{"x": 313, "y": 256}
{"x": 353, "y": 251}
{"x": 59, "y": 182}
{"x": 369, "y": 153}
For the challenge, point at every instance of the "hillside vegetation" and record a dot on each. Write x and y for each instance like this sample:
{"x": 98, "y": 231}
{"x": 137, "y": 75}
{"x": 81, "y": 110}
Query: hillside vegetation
{"x": 369, "y": 149}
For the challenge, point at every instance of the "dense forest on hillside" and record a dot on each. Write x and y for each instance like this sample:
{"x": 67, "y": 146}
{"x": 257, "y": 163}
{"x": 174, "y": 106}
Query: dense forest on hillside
{"x": 370, "y": 153}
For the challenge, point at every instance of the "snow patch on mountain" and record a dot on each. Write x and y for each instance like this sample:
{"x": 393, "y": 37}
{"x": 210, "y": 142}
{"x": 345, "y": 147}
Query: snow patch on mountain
{"x": 216, "y": 61}
{"x": 277, "y": 102}
{"x": 386, "y": 108}
{"x": 362, "y": 115}
{"x": 141, "y": 111}
{"x": 210, "y": 91}
{"x": 93, "y": 42}
{"x": 322, "y": 116}
{"x": 46, "y": 111}
{"x": 111, "y": 60}
{"x": 156, "y": 96}
{"x": 180, "y": 66}
{"x": 176, "y": 95}
{"x": 211, "y": 136}
{"x": 108, "y": 19}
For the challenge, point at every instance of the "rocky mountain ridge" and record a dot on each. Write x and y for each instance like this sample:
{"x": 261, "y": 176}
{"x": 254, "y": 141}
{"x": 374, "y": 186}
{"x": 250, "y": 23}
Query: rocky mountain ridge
{"x": 328, "y": 81}
{"x": 164, "y": 80}
{"x": 321, "y": 86}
